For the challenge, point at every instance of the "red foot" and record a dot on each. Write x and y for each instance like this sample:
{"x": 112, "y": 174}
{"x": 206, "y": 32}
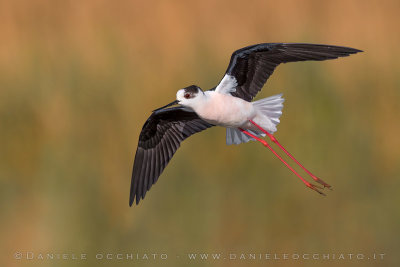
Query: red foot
{"x": 273, "y": 139}
{"x": 320, "y": 181}
{"x": 315, "y": 188}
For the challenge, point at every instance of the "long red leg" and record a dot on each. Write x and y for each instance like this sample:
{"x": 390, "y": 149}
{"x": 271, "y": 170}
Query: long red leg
{"x": 273, "y": 139}
{"x": 312, "y": 186}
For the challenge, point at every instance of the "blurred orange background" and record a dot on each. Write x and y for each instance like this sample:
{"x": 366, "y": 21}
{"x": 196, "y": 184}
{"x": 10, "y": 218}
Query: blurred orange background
{"x": 78, "y": 79}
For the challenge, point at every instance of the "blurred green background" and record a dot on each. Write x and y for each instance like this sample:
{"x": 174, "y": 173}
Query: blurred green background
{"x": 79, "y": 78}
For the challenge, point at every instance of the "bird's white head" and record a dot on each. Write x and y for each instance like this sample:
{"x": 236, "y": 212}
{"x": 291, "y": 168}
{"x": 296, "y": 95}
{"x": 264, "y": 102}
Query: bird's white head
{"x": 190, "y": 96}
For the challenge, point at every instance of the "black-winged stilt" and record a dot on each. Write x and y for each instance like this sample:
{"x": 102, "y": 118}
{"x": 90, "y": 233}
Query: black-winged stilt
{"x": 228, "y": 105}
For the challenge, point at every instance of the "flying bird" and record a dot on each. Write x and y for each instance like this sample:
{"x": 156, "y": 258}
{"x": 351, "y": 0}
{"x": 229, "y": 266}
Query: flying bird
{"x": 229, "y": 105}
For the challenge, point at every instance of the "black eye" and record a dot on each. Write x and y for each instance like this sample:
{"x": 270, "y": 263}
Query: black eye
{"x": 187, "y": 95}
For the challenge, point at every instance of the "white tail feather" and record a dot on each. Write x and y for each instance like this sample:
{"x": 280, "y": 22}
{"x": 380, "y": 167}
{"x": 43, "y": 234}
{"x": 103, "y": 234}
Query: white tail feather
{"x": 271, "y": 107}
{"x": 235, "y": 136}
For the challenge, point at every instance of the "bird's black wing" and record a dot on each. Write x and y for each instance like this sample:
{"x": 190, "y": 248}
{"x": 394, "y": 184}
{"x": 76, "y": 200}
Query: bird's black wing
{"x": 251, "y": 66}
{"x": 159, "y": 139}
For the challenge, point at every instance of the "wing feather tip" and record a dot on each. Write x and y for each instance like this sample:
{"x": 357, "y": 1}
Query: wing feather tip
{"x": 131, "y": 199}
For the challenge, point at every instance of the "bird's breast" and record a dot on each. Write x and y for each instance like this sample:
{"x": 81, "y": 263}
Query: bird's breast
{"x": 226, "y": 110}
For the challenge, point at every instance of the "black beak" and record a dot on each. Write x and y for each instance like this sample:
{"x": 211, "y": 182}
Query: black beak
{"x": 170, "y": 104}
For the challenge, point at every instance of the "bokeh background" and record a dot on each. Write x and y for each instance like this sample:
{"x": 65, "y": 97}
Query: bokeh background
{"x": 79, "y": 78}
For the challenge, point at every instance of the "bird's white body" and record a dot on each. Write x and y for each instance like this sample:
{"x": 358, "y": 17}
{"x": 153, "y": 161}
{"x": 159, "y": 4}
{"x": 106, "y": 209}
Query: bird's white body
{"x": 223, "y": 109}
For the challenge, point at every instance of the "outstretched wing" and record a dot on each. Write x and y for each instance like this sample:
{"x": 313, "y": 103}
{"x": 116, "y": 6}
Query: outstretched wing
{"x": 159, "y": 139}
{"x": 251, "y": 66}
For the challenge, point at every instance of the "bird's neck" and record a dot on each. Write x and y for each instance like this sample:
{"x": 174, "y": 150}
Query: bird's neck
{"x": 201, "y": 102}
